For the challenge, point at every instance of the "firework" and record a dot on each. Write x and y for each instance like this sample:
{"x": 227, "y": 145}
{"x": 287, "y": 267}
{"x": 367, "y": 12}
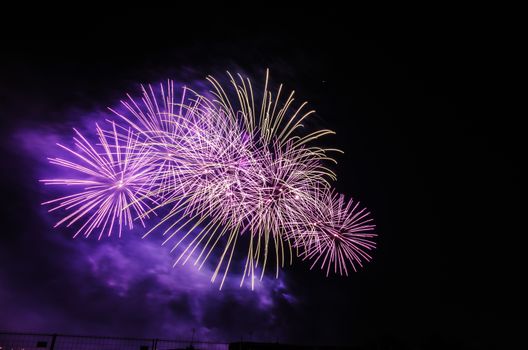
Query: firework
{"x": 111, "y": 178}
{"x": 218, "y": 166}
{"x": 336, "y": 234}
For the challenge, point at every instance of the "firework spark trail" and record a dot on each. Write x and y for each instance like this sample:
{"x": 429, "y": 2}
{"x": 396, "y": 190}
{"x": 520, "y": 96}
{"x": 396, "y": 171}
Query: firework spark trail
{"x": 157, "y": 118}
{"x": 219, "y": 167}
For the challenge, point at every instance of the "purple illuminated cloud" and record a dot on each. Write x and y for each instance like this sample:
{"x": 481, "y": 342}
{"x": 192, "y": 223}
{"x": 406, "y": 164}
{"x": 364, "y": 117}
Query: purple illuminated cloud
{"x": 270, "y": 179}
{"x": 111, "y": 275}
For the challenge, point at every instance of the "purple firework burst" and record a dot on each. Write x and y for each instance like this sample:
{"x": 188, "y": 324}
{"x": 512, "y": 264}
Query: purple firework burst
{"x": 112, "y": 178}
{"x": 219, "y": 166}
{"x": 336, "y": 234}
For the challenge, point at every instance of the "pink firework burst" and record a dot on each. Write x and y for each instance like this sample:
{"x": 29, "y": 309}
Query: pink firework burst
{"x": 112, "y": 178}
{"x": 335, "y": 234}
{"x": 220, "y": 166}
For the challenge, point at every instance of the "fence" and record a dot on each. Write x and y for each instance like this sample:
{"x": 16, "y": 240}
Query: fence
{"x": 41, "y": 341}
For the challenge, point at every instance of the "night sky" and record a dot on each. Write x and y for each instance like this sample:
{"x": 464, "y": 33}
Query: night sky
{"x": 423, "y": 107}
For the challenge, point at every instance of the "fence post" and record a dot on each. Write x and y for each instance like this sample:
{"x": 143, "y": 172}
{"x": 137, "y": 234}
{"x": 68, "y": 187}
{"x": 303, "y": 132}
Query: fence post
{"x": 53, "y": 339}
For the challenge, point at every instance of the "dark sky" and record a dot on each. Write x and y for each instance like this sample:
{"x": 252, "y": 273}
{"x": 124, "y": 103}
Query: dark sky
{"x": 423, "y": 106}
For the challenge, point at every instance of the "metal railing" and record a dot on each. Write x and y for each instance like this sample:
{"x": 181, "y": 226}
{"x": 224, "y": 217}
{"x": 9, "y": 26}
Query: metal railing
{"x": 40, "y": 341}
